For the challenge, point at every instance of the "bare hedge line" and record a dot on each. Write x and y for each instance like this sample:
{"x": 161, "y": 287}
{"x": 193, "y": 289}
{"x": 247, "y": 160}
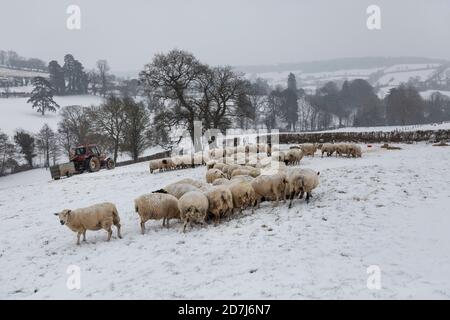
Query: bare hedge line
{"x": 366, "y": 137}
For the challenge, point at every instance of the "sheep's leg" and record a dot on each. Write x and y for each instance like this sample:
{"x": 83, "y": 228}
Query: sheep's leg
{"x": 118, "y": 231}
{"x": 109, "y": 233}
{"x": 291, "y": 199}
{"x": 164, "y": 221}
{"x": 84, "y": 235}
{"x": 78, "y": 237}
{"x": 142, "y": 227}
{"x": 185, "y": 224}
{"x": 277, "y": 201}
{"x": 308, "y": 195}
{"x": 301, "y": 194}
{"x": 167, "y": 223}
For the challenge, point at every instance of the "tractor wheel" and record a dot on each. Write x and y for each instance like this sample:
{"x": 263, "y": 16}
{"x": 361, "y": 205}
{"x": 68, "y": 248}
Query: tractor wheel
{"x": 110, "y": 164}
{"x": 94, "y": 164}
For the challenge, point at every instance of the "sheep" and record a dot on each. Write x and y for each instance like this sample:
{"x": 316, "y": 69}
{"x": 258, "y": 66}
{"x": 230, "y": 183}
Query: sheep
{"x": 309, "y": 149}
{"x": 96, "y": 217}
{"x": 220, "y": 202}
{"x": 301, "y": 181}
{"x": 253, "y": 172}
{"x": 342, "y": 149}
{"x": 218, "y": 154}
{"x": 293, "y": 156}
{"x": 156, "y": 206}
{"x": 193, "y": 207}
{"x": 328, "y": 148}
{"x": 195, "y": 183}
{"x": 270, "y": 187}
{"x": 177, "y": 189}
{"x": 155, "y": 165}
{"x": 231, "y": 168}
{"x": 243, "y": 195}
{"x": 241, "y": 178}
{"x": 210, "y": 164}
{"x": 213, "y": 174}
{"x": 278, "y": 156}
{"x": 220, "y": 181}
{"x": 355, "y": 151}
{"x": 251, "y": 148}
{"x": 219, "y": 166}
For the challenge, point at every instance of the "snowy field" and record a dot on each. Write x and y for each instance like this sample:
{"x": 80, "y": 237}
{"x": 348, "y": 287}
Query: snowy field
{"x": 8, "y": 72}
{"x": 19, "y": 114}
{"x": 389, "y": 208}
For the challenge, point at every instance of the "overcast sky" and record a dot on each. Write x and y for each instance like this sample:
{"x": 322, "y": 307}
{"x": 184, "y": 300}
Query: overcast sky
{"x": 236, "y": 32}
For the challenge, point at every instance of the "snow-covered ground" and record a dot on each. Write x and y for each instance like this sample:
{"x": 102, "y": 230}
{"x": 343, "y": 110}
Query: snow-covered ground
{"x": 389, "y": 208}
{"x": 17, "y": 113}
{"x": 397, "y": 78}
{"x": 8, "y": 72}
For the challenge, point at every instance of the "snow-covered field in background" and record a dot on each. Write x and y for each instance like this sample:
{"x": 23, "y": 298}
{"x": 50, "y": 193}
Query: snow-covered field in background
{"x": 7, "y": 72}
{"x": 427, "y": 94}
{"x": 397, "y": 78}
{"x": 17, "y": 113}
{"x": 389, "y": 208}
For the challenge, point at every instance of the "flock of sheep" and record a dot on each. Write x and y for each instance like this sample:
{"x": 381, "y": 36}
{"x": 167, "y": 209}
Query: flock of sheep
{"x": 236, "y": 179}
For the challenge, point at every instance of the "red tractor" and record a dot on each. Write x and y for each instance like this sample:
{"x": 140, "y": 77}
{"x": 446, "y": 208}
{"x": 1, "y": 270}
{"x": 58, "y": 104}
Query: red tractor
{"x": 89, "y": 158}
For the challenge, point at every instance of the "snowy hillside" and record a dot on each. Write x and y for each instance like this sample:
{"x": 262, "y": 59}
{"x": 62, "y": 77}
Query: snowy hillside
{"x": 19, "y": 114}
{"x": 388, "y": 209}
{"x": 8, "y": 72}
{"x": 384, "y": 77}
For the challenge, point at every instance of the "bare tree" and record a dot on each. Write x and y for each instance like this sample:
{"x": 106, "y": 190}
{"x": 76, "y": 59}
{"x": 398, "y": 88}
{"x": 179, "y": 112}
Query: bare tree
{"x": 46, "y": 143}
{"x": 103, "y": 69}
{"x": 109, "y": 119}
{"x": 136, "y": 128}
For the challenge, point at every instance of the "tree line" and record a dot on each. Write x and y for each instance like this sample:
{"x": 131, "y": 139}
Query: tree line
{"x": 12, "y": 59}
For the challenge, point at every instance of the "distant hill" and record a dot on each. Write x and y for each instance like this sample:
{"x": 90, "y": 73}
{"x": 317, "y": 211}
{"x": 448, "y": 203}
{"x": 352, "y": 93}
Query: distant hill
{"x": 339, "y": 64}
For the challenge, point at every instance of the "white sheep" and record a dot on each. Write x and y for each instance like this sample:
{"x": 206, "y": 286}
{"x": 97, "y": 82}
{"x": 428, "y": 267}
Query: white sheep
{"x": 342, "y": 149}
{"x": 96, "y": 217}
{"x": 220, "y": 166}
{"x": 220, "y": 202}
{"x": 309, "y": 149}
{"x": 293, "y": 156}
{"x": 155, "y": 165}
{"x": 253, "y": 172}
{"x": 177, "y": 189}
{"x": 210, "y": 164}
{"x": 193, "y": 207}
{"x": 270, "y": 187}
{"x": 195, "y": 183}
{"x": 328, "y": 148}
{"x": 278, "y": 156}
{"x": 156, "y": 206}
{"x": 301, "y": 181}
{"x": 355, "y": 151}
{"x": 213, "y": 174}
{"x": 220, "y": 181}
{"x": 243, "y": 195}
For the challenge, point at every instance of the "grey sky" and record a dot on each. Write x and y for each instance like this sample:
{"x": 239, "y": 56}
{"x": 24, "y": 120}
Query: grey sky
{"x": 237, "y": 32}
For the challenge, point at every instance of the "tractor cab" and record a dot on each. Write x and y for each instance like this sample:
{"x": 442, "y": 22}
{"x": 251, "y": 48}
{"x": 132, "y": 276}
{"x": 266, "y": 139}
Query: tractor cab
{"x": 89, "y": 158}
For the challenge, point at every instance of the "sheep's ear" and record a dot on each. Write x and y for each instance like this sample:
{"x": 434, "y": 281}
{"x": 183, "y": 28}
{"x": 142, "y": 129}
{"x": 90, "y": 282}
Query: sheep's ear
{"x": 56, "y": 214}
{"x": 69, "y": 211}
{"x": 318, "y": 173}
